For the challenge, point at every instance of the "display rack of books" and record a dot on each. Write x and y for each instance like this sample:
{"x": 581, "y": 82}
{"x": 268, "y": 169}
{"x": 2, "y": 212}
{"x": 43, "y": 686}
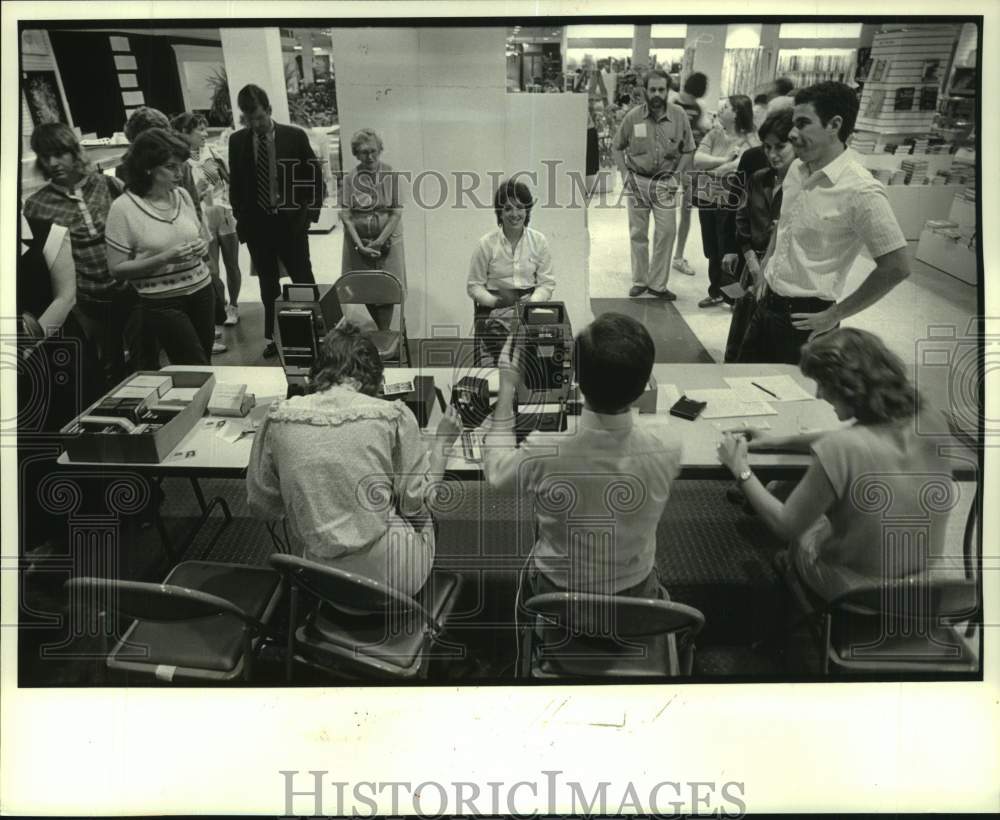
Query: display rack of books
{"x": 905, "y": 70}
{"x": 815, "y": 65}
{"x": 950, "y": 244}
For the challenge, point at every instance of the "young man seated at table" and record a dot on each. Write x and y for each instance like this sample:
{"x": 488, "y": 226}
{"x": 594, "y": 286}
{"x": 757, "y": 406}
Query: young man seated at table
{"x": 600, "y": 489}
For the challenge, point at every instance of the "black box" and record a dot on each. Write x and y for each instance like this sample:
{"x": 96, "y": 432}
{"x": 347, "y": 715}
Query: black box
{"x": 421, "y": 398}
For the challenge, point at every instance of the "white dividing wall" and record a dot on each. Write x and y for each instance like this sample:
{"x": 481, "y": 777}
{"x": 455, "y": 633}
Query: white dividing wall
{"x": 438, "y": 99}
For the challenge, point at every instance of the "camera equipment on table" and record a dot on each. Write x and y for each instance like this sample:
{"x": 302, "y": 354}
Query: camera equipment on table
{"x": 304, "y": 314}
{"x": 471, "y": 397}
{"x": 416, "y": 392}
{"x": 543, "y": 333}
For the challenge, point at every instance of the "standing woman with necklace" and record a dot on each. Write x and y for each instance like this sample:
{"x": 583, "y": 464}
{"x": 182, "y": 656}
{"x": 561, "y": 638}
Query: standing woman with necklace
{"x": 157, "y": 243}
{"x": 718, "y": 156}
{"x": 511, "y": 264}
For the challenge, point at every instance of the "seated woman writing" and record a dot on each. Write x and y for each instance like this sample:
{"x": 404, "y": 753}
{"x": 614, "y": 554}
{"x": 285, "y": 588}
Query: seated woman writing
{"x": 511, "y": 264}
{"x": 351, "y": 471}
{"x": 884, "y": 463}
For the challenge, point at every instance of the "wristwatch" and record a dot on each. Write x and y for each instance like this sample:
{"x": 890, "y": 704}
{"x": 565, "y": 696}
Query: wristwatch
{"x": 744, "y": 475}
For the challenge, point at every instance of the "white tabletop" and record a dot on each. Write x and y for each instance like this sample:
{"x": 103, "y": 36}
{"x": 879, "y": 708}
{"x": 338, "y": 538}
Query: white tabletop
{"x": 205, "y": 453}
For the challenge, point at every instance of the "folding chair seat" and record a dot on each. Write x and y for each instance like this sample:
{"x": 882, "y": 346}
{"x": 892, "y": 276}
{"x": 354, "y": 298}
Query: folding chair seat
{"x": 203, "y": 623}
{"x": 378, "y": 287}
{"x": 357, "y": 627}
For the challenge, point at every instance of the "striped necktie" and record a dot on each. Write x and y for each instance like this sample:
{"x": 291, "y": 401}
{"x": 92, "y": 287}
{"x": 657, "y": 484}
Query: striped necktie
{"x": 263, "y": 175}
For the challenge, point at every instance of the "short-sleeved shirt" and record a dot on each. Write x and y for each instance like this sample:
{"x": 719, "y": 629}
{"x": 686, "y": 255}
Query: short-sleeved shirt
{"x": 884, "y": 476}
{"x": 826, "y": 219}
{"x": 137, "y": 228}
{"x": 599, "y": 493}
{"x": 717, "y": 143}
{"x": 83, "y": 212}
{"x": 654, "y": 146}
{"x": 497, "y": 266}
{"x": 694, "y": 115}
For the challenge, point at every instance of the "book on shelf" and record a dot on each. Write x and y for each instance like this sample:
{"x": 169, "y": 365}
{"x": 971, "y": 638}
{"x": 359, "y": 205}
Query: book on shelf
{"x": 875, "y": 103}
{"x": 903, "y": 99}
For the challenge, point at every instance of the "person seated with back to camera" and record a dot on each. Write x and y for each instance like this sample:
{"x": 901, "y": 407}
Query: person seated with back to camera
{"x": 511, "y": 264}
{"x": 607, "y": 466}
{"x": 890, "y": 446}
{"x": 333, "y": 461}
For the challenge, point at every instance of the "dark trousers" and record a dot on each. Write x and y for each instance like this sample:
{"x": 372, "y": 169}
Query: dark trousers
{"x": 770, "y": 337}
{"x": 713, "y": 244}
{"x": 112, "y": 329}
{"x": 184, "y": 325}
{"x": 271, "y": 237}
{"x": 485, "y": 340}
{"x": 743, "y": 310}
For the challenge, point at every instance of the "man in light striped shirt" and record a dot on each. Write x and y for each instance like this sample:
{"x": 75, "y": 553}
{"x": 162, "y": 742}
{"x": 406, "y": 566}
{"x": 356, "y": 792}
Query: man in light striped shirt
{"x": 832, "y": 207}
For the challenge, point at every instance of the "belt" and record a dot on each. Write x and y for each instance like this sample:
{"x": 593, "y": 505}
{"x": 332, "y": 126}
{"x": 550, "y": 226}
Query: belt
{"x": 789, "y": 304}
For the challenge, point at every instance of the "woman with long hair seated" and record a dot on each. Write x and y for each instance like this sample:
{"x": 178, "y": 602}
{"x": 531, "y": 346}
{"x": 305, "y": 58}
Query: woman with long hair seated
{"x": 884, "y": 463}
{"x": 351, "y": 471}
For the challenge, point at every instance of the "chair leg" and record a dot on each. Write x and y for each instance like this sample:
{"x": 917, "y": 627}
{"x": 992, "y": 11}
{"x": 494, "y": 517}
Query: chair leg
{"x": 293, "y": 609}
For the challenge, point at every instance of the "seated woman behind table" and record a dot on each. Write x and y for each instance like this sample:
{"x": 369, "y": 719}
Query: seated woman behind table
{"x": 835, "y": 516}
{"x": 334, "y": 461}
{"x": 510, "y": 264}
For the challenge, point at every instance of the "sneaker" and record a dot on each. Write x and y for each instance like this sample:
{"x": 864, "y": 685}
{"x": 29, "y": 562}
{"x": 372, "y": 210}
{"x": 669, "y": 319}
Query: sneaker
{"x": 219, "y": 347}
{"x": 681, "y": 266}
{"x": 218, "y": 331}
{"x": 665, "y": 295}
{"x": 232, "y": 315}
{"x": 710, "y": 301}
{"x": 636, "y": 290}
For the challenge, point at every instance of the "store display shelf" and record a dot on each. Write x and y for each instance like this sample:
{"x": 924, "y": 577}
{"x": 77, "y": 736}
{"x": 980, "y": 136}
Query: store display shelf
{"x": 951, "y": 256}
{"x": 915, "y": 204}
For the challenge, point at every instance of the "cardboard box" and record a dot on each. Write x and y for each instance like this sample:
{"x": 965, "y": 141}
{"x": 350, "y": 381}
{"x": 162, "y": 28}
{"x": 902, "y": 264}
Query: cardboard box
{"x": 148, "y": 448}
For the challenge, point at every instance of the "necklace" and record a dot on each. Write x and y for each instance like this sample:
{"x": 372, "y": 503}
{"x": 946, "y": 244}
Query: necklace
{"x": 156, "y": 207}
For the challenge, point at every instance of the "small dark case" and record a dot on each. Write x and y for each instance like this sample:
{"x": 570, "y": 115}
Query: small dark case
{"x": 685, "y": 408}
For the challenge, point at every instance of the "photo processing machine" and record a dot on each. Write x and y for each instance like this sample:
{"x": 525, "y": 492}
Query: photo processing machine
{"x": 542, "y": 333}
{"x": 303, "y": 316}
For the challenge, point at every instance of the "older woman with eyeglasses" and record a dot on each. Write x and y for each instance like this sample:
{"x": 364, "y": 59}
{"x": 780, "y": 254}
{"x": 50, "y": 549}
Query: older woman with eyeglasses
{"x": 372, "y": 215}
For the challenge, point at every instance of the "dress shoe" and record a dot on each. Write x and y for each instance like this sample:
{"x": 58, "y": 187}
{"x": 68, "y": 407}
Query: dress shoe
{"x": 665, "y": 295}
{"x": 270, "y": 351}
{"x": 710, "y": 301}
{"x": 636, "y": 290}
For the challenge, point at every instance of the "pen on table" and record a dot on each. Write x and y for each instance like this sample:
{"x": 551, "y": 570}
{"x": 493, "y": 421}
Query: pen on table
{"x": 772, "y": 395}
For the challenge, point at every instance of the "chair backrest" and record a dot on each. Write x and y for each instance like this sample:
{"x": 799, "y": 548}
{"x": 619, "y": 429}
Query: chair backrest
{"x": 369, "y": 287}
{"x": 162, "y": 603}
{"x": 347, "y": 590}
{"x": 616, "y": 616}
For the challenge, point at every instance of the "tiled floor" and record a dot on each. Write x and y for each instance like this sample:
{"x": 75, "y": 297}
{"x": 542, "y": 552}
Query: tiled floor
{"x": 928, "y": 298}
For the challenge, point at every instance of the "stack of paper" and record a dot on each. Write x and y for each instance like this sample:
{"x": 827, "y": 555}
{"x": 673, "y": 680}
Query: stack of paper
{"x": 769, "y": 388}
{"x": 725, "y": 403}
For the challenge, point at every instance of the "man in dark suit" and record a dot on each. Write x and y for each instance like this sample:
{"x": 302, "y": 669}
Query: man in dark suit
{"x": 276, "y": 190}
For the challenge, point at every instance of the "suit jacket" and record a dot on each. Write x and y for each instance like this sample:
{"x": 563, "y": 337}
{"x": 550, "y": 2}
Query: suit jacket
{"x": 300, "y": 179}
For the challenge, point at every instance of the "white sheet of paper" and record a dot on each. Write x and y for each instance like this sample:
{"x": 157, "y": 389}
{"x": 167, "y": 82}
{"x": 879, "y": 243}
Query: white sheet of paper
{"x": 667, "y": 396}
{"x": 725, "y": 403}
{"x": 785, "y": 388}
{"x": 639, "y": 130}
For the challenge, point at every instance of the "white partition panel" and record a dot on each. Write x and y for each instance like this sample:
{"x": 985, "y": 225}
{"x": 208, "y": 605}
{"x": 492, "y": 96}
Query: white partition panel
{"x": 438, "y": 99}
